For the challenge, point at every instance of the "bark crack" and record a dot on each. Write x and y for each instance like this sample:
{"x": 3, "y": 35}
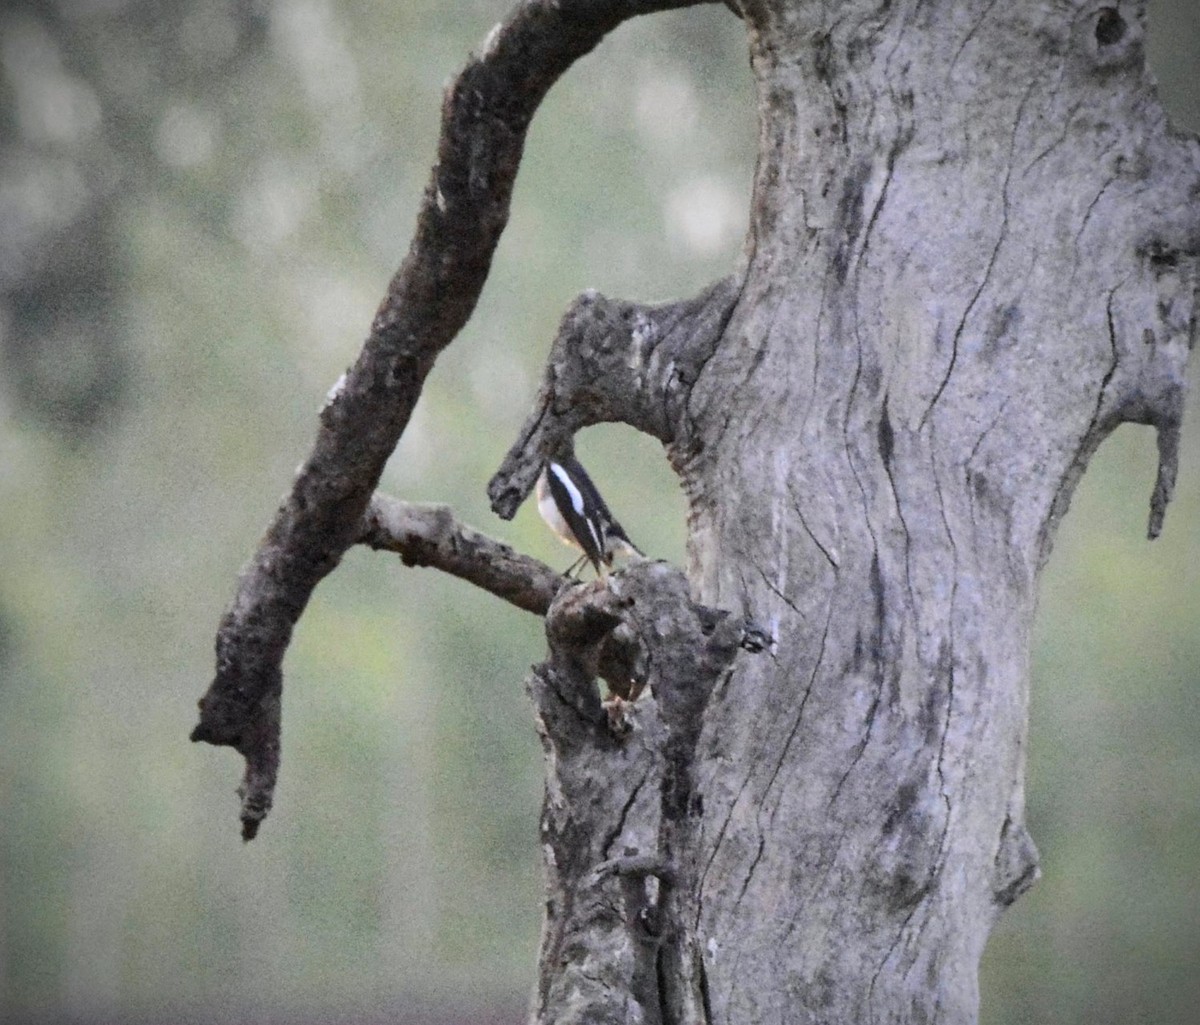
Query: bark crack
{"x": 874, "y": 576}
{"x": 970, "y": 471}
{"x": 795, "y": 727}
{"x": 995, "y": 421}
{"x": 774, "y": 589}
{"x": 887, "y": 445}
{"x": 898, "y": 145}
{"x": 1087, "y": 214}
{"x": 1089, "y": 435}
{"x": 1097, "y": 429}
{"x": 811, "y": 536}
{"x": 891, "y": 951}
{"x": 971, "y": 33}
{"x": 869, "y": 723}
{"x": 705, "y": 357}
{"x": 798, "y": 509}
{"x": 734, "y": 973}
{"x": 991, "y": 264}
{"x": 946, "y": 667}
{"x": 716, "y": 847}
{"x": 949, "y": 658}
{"x": 762, "y": 842}
{"x": 615, "y": 834}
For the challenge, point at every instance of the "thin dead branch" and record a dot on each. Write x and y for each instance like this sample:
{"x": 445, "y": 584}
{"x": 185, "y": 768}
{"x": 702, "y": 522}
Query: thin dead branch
{"x": 485, "y": 114}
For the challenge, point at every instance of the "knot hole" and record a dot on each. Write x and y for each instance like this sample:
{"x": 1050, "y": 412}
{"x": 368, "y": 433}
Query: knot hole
{"x": 1110, "y": 27}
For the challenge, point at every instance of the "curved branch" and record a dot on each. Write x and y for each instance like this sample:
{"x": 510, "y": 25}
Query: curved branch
{"x": 616, "y": 361}
{"x": 485, "y": 113}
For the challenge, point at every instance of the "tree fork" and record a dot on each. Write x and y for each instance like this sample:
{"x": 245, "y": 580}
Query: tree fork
{"x": 486, "y": 112}
{"x": 973, "y": 252}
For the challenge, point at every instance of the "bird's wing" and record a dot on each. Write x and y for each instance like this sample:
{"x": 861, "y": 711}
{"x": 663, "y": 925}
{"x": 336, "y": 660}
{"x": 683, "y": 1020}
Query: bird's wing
{"x": 569, "y": 500}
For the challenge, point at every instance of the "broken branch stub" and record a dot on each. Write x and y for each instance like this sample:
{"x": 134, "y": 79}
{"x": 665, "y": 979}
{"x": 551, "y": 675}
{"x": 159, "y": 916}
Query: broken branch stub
{"x": 614, "y": 361}
{"x": 617, "y": 815}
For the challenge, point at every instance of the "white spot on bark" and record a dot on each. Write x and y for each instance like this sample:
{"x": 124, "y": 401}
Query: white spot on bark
{"x": 491, "y": 40}
{"x": 336, "y": 390}
{"x": 643, "y": 333}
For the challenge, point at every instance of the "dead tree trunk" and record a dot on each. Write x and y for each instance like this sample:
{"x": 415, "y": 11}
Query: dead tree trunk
{"x": 973, "y": 253}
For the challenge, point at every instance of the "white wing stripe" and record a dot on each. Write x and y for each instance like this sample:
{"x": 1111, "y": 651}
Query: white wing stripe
{"x": 577, "y": 504}
{"x": 572, "y": 490}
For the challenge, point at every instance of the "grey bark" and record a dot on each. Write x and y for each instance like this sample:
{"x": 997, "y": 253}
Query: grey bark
{"x": 485, "y": 114}
{"x": 431, "y": 535}
{"x": 973, "y": 253}
{"x": 975, "y": 248}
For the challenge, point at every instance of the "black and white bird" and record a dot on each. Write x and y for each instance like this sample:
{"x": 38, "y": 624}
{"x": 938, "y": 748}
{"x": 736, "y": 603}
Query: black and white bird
{"x": 572, "y": 507}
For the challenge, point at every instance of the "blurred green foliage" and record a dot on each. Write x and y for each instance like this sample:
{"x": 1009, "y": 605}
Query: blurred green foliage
{"x": 200, "y": 206}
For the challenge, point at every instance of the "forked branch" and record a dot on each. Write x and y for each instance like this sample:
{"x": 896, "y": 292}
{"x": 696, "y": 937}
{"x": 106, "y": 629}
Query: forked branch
{"x": 485, "y": 114}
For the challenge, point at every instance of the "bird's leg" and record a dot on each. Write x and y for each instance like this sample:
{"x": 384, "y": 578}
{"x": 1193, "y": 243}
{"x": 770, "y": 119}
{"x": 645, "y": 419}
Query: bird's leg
{"x": 576, "y": 566}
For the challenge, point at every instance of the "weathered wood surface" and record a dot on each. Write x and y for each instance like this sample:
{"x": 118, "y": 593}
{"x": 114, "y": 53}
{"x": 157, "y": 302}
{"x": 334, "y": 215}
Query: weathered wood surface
{"x": 973, "y": 252}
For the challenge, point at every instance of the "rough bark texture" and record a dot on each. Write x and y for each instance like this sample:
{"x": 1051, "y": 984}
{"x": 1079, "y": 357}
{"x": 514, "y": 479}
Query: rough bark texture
{"x": 485, "y": 114}
{"x": 431, "y": 535}
{"x": 973, "y": 252}
{"x": 618, "y": 819}
{"x": 975, "y": 247}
